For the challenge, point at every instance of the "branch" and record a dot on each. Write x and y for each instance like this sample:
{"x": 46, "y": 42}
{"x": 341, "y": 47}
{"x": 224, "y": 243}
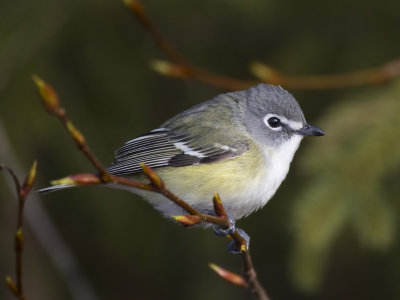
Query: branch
{"x": 51, "y": 103}
{"x": 180, "y": 67}
{"x": 250, "y": 276}
{"x": 22, "y": 192}
{"x": 373, "y": 76}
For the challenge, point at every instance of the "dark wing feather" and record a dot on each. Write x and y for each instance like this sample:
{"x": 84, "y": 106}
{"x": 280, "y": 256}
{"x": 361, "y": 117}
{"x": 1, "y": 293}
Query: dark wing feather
{"x": 164, "y": 147}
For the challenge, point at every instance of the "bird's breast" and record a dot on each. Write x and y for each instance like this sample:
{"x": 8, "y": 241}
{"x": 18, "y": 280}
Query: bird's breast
{"x": 277, "y": 163}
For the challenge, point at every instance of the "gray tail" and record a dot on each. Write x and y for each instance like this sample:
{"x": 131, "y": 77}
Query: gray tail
{"x": 55, "y": 188}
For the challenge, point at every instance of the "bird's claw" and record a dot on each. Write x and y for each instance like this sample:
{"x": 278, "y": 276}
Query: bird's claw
{"x": 233, "y": 246}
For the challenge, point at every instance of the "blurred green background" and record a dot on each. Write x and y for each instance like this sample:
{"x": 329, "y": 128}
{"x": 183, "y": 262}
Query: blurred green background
{"x": 329, "y": 233}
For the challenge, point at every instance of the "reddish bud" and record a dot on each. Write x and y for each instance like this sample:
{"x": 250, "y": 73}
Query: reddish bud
{"x": 263, "y": 72}
{"x": 12, "y": 286}
{"x": 135, "y": 6}
{"x": 188, "y": 220}
{"x": 78, "y": 179}
{"x": 85, "y": 179}
{"x": 19, "y": 235}
{"x": 218, "y": 207}
{"x": 168, "y": 69}
{"x": 29, "y": 180}
{"x": 48, "y": 95}
{"x": 75, "y": 133}
{"x": 229, "y": 276}
{"x": 152, "y": 176}
{"x": 19, "y": 240}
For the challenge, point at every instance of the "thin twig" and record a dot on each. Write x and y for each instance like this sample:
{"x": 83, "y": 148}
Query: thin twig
{"x": 250, "y": 276}
{"x": 22, "y": 192}
{"x": 373, "y": 76}
{"x": 180, "y": 67}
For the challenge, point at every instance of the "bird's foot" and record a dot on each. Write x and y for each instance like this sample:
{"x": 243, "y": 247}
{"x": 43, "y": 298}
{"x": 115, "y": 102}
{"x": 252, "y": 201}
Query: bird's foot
{"x": 222, "y": 231}
{"x": 233, "y": 247}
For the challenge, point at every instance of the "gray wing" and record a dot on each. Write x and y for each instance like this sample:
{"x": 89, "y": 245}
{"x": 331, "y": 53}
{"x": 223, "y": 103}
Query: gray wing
{"x": 165, "y": 147}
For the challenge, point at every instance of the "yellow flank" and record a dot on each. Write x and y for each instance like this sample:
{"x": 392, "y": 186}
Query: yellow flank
{"x": 230, "y": 178}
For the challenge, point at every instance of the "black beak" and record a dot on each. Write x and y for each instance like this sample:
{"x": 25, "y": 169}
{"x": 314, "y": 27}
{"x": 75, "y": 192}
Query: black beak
{"x": 309, "y": 130}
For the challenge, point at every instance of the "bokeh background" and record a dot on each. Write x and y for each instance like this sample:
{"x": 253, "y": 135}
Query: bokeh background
{"x": 331, "y": 231}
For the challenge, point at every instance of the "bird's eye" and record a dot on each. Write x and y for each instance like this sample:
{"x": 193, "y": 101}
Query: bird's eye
{"x": 274, "y": 122}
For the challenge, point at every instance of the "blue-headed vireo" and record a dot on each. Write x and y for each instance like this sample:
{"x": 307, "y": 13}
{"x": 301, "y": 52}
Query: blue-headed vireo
{"x": 238, "y": 144}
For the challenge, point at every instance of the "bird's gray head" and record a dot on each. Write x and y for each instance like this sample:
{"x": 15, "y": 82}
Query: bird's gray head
{"x": 273, "y": 116}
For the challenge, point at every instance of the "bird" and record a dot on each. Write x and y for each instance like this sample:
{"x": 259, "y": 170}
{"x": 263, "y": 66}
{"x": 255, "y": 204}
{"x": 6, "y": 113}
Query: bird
{"x": 239, "y": 144}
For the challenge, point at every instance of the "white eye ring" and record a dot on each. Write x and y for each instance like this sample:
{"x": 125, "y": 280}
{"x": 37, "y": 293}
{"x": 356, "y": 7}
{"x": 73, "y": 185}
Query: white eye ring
{"x": 273, "y": 122}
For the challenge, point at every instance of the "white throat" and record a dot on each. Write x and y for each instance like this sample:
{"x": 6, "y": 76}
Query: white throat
{"x": 278, "y": 163}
